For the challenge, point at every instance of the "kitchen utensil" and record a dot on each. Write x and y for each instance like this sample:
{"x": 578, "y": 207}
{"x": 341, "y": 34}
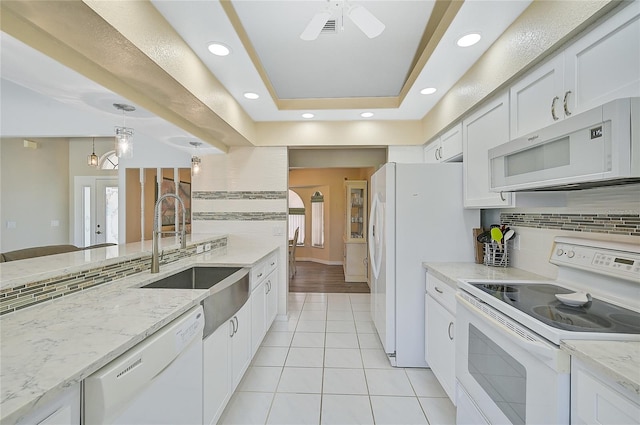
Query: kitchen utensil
{"x": 508, "y": 235}
{"x": 496, "y": 235}
{"x": 484, "y": 237}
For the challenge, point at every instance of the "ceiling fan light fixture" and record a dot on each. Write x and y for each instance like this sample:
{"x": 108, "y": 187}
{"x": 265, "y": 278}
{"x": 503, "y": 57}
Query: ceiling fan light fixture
{"x": 251, "y": 96}
{"x": 366, "y": 114}
{"x": 308, "y": 115}
{"x": 428, "y": 90}
{"x": 368, "y": 24}
{"x": 218, "y": 49}
{"x": 469, "y": 39}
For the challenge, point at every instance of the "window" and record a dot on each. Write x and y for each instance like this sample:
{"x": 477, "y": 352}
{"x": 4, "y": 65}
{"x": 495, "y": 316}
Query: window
{"x": 296, "y": 217}
{"x": 109, "y": 161}
{"x": 317, "y": 220}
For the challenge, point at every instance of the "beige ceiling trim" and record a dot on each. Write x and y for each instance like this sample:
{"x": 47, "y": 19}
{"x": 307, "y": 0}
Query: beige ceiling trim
{"x": 339, "y": 103}
{"x": 339, "y": 133}
{"x": 73, "y": 34}
{"x": 442, "y": 16}
{"x": 538, "y": 32}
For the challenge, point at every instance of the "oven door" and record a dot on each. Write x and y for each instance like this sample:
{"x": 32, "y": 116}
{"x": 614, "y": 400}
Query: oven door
{"x": 511, "y": 375}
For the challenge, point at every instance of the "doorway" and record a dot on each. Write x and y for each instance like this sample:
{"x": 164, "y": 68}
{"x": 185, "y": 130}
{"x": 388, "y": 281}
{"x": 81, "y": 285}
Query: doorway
{"x": 95, "y": 211}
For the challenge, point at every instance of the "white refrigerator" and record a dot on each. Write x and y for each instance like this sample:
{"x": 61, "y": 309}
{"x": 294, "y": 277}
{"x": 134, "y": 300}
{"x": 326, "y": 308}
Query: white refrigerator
{"x": 417, "y": 215}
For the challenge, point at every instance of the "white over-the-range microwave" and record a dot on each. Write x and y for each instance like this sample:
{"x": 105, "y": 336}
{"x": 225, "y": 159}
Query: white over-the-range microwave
{"x": 599, "y": 147}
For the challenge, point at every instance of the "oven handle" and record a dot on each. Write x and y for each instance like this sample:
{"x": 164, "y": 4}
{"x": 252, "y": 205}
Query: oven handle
{"x": 545, "y": 352}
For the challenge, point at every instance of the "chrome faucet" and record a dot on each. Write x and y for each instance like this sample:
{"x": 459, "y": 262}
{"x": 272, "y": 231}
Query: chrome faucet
{"x": 155, "y": 262}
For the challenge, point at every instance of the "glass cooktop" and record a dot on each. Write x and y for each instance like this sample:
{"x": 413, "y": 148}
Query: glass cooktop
{"x": 539, "y": 302}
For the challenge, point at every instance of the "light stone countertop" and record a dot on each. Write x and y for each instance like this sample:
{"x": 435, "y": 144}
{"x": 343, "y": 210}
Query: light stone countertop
{"x": 14, "y": 273}
{"x": 451, "y": 272}
{"x": 617, "y": 360}
{"x": 53, "y": 345}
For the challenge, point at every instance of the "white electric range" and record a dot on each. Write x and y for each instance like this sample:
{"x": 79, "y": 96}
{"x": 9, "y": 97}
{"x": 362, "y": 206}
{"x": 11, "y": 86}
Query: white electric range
{"x": 508, "y": 359}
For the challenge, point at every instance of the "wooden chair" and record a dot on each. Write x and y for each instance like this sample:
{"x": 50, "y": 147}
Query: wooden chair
{"x": 292, "y": 253}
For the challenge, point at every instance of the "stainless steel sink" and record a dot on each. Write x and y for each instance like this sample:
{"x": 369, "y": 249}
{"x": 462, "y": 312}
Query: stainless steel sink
{"x": 219, "y": 306}
{"x": 195, "y": 278}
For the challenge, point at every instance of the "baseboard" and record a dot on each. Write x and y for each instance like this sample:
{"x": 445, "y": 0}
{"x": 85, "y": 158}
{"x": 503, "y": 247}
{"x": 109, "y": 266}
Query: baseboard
{"x": 316, "y": 260}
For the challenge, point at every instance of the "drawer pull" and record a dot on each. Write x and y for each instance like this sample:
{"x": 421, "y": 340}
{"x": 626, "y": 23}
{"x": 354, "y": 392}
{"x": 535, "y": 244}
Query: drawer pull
{"x": 438, "y": 290}
{"x": 449, "y": 331}
{"x": 260, "y": 275}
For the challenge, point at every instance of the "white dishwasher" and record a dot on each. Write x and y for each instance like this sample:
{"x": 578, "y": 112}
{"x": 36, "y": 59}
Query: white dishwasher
{"x": 159, "y": 381}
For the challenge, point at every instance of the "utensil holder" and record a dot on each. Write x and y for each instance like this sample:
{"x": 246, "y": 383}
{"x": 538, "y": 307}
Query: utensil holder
{"x": 495, "y": 256}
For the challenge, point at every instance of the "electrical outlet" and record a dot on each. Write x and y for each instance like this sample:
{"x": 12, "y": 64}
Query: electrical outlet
{"x": 207, "y": 246}
{"x": 516, "y": 242}
{"x": 199, "y": 249}
{"x": 11, "y": 224}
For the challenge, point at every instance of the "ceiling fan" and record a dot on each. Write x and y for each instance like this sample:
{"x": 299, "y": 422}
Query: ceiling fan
{"x": 359, "y": 15}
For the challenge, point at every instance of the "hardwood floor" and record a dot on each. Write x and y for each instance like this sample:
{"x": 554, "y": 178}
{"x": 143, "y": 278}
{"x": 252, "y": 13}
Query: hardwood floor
{"x": 316, "y": 277}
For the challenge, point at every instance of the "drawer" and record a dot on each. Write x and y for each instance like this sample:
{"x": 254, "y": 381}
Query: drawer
{"x": 258, "y": 273}
{"x": 271, "y": 263}
{"x": 442, "y": 292}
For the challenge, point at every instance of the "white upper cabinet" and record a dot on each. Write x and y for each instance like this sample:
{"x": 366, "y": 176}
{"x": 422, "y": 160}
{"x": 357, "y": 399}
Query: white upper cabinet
{"x": 446, "y": 148}
{"x": 484, "y": 129}
{"x": 604, "y": 64}
{"x": 600, "y": 66}
{"x": 535, "y": 100}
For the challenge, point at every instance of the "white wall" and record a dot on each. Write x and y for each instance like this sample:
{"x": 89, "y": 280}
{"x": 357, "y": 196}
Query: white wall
{"x": 247, "y": 169}
{"x": 406, "y": 154}
{"x": 34, "y": 192}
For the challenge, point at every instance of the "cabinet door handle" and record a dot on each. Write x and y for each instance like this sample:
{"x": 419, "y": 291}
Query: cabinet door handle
{"x": 449, "y": 331}
{"x": 440, "y": 153}
{"x": 567, "y": 112}
{"x": 259, "y": 275}
{"x": 272, "y": 264}
{"x": 502, "y": 197}
{"x": 235, "y": 318}
{"x": 438, "y": 290}
{"x": 232, "y": 331}
{"x": 553, "y": 108}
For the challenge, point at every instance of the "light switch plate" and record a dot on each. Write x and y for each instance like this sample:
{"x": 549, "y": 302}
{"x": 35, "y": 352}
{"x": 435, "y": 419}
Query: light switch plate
{"x": 207, "y": 247}
{"x": 199, "y": 249}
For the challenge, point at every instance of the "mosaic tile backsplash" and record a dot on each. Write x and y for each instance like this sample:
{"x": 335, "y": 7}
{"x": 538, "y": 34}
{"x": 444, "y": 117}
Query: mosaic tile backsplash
{"x": 22, "y": 296}
{"x": 235, "y": 195}
{"x": 618, "y": 224}
{"x": 240, "y": 216}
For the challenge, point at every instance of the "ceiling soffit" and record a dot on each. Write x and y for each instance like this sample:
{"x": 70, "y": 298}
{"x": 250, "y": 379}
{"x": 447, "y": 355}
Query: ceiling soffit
{"x": 441, "y": 17}
{"x": 99, "y": 46}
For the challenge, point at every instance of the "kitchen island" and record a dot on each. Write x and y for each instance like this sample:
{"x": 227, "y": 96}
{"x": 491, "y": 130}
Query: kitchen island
{"x": 53, "y": 345}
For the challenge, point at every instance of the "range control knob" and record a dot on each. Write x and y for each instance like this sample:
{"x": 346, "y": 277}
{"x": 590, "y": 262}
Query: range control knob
{"x": 571, "y": 254}
{"x": 559, "y": 252}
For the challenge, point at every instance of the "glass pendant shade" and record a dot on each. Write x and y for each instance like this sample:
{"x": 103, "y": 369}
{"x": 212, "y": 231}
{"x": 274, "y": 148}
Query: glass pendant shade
{"x": 195, "y": 165}
{"x": 124, "y": 142}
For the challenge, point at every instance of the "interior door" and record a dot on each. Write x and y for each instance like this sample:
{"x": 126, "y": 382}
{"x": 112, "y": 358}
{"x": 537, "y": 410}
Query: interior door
{"x": 106, "y": 217}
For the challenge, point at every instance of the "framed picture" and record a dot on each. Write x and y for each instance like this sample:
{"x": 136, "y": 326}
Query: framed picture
{"x": 167, "y": 209}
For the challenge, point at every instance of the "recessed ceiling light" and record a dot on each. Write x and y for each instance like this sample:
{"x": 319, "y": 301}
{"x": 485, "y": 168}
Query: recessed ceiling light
{"x": 307, "y": 115}
{"x": 428, "y": 90}
{"x": 251, "y": 96}
{"x": 366, "y": 114}
{"x": 219, "y": 49}
{"x": 468, "y": 40}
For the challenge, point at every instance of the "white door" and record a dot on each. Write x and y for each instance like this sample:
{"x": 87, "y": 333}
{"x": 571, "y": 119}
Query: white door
{"x": 106, "y": 218}
{"x": 95, "y": 217}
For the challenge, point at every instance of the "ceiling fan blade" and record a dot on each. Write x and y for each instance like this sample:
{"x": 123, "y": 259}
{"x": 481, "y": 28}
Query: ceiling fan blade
{"x": 312, "y": 31}
{"x": 369, "y": 24}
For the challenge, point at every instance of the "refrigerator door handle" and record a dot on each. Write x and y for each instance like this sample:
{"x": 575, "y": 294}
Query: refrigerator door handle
{"x": 374, "y": 248}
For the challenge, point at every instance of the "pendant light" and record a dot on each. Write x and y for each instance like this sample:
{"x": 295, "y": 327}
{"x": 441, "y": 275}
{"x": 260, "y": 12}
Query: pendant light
{"x": 92, "y": 160}
{"x": 124, "y": 135}
{"x": 195, "y": 160}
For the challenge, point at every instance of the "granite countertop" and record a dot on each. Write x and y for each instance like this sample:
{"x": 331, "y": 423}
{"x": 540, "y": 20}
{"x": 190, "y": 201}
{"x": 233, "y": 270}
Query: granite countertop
{"x": 618, "y": 360}
{"x": 54, "y": 345}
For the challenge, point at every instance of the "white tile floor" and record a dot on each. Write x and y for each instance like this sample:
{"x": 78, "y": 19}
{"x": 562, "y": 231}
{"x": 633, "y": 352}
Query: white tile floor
{"x": 325, "y": 365}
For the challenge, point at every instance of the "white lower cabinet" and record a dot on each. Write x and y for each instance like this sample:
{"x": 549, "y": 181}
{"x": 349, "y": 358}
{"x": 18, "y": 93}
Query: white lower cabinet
{"x": 258, "y": 314}
{"x": 271, "y": 290}
{"x": 227, "y": 354}
{"x": 440, "y": 331}
{"x": 62, "y": 410}
{"x": 596, "y": 399}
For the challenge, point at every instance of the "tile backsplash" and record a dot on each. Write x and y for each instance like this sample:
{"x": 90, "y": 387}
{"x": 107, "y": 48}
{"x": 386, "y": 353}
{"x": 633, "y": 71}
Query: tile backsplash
{"x": 618, "y": 224}
{"x": 29, "y": 294}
